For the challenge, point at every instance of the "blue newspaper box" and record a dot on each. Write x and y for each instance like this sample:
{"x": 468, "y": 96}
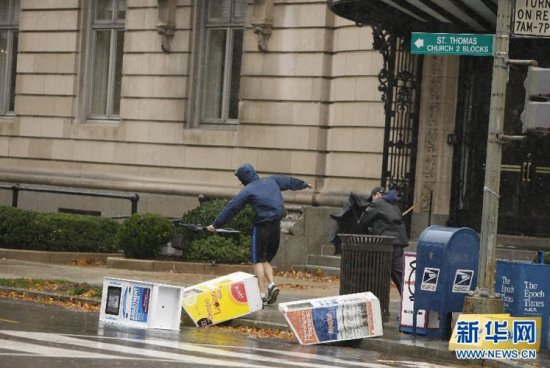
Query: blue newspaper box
{"x": 525, "y": 289}
{"x": 446, "y": 270}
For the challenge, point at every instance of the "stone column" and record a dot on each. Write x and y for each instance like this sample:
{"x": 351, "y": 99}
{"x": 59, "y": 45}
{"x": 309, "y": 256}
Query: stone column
{"x": 435, "y": 154}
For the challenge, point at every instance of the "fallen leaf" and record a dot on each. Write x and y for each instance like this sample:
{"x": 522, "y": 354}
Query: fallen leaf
{"x": 259, "y": 332}
{"x": 318, "y": 276}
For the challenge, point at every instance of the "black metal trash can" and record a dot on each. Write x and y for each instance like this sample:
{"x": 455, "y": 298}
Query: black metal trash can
{"x": 365, "y": 265}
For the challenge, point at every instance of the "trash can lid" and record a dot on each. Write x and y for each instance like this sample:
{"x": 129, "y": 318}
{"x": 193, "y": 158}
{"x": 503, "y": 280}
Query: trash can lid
{"x": 366, "y": 239}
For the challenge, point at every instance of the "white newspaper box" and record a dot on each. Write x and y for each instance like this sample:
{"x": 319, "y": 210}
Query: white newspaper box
{"x": 407, "y": 301}
{"x": 221, "y": 299}
{"x": 140, "y": 304}
{"x": 336, "y": 318}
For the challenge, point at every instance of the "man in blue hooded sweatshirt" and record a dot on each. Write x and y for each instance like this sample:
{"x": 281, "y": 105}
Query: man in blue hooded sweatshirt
{"x": 266, "y": 199}
{"x": 383, "y": 215}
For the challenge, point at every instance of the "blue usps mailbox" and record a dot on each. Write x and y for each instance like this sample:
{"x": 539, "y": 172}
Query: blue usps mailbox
{"x": 446, "y": 270}
{"x": 525, "y": 289}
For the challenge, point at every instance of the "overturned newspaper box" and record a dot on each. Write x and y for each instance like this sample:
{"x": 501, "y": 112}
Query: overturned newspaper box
{"x": 222, "y": 299}
{"x": 337, "y": 318}
{"x": 140, "y": 304}
{"x": 407, "y": 302}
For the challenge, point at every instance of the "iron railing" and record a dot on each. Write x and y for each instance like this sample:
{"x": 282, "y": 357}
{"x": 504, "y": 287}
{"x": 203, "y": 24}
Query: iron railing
{"x": 16, "y": 188}
{"x": 400, "y": 87}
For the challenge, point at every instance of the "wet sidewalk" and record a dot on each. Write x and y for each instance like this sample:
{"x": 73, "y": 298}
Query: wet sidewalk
{"x": 291, "y": 289}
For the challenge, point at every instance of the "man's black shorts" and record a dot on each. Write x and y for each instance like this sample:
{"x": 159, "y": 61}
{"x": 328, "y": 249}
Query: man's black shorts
{"x": 265, "y": 241}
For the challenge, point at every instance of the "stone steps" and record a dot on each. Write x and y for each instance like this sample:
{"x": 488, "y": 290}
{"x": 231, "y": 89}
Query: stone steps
{"x": 326, "y": 271}
{"x": 523, "y": 242}
{"x": 324, "y": 261}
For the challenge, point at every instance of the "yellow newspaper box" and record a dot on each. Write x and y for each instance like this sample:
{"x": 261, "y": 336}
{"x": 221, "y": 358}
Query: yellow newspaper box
{"x": 222, "y": 299}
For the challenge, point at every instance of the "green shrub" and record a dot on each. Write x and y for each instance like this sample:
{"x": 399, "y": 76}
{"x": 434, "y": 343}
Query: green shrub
{"x": 236, "y": 249}
{"x": 31, "y": 230}
{"x": 77, "y": 233}
{"x": 17, "y": 228}
{"x": 218, "y": 249}
{"x": 142, "y": 236}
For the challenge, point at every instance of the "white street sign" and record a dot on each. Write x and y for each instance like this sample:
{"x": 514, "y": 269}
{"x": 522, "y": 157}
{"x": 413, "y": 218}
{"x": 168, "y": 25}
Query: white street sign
{"x": 531, "y": 18}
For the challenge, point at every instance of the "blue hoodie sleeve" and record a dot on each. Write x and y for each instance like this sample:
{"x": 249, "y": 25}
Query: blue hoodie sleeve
{"x": 290, "y": 183}
{"x": 232, "y": 208}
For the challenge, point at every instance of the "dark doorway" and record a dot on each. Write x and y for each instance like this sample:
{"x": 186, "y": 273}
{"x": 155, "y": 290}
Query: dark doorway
{"x": 524, "y": 206}
{"x": 525, "y": 179}
{"x": 470, "y": 142}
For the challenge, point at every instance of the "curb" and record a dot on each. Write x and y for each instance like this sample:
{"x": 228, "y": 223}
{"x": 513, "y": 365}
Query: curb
{"x": 250, "y": 322}
{"x": 57, "y": 297}
{"x": 117, "y": 260}
{"x": 175, "y": 266}
{"x": 53, "y": 257}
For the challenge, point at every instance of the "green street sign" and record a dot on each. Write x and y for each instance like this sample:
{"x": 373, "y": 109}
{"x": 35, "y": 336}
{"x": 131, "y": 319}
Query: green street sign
{"x": 452, "y": 44}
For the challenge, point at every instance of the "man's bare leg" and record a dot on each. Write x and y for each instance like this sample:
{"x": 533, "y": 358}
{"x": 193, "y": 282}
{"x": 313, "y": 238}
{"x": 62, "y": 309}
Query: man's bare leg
{"x": 268, "y": 272}
{"x": 260, "y": 274}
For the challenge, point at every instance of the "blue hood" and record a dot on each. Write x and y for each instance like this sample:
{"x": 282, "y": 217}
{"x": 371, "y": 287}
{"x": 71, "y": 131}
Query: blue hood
{"x": 391, "y": 196}
{"x": 246, "y": 174}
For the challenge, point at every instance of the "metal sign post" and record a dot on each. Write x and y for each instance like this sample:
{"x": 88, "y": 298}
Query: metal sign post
{"x": 484, "y": 299}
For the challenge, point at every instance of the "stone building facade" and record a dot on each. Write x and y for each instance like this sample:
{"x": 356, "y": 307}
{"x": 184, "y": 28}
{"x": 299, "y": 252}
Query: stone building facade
{"x": 307, "y": 105}
{"x": 166, "y": 98}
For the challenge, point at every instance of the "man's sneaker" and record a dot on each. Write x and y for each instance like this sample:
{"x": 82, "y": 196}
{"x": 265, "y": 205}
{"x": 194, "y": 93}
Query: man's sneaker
{"x": 272, "y": 294}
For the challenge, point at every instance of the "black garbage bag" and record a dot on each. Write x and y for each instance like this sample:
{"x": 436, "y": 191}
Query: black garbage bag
{"x": 347, "y": 219}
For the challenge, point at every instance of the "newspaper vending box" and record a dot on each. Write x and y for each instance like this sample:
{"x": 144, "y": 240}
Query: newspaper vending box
{"x": 140, "y": 304}
{"x": 222, "y": 299}
{"x": 336, "y": 318}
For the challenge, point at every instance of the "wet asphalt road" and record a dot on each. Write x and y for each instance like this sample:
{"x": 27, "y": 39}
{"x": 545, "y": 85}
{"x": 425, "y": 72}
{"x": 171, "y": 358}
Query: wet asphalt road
{"x": 39, "y": 336}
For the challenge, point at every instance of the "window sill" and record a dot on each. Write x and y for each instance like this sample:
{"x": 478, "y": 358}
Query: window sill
{"x": 7, "y": 119}
{"x": 101, "y": 122}
{"x": 232, "y": 125}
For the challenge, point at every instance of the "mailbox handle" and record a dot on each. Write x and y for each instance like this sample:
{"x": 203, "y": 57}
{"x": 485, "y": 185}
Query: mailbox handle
{"x": 523, "y": 171}
{"x": 528, "y": 176}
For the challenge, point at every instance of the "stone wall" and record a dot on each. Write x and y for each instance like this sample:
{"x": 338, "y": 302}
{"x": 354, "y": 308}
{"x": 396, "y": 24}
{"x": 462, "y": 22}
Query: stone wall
{"x": 303, "y": 232}
{"x": 309, "y": 107}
